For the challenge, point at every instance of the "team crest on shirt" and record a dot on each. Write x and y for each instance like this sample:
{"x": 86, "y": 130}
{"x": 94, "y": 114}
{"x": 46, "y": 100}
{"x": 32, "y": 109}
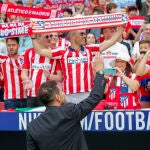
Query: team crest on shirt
{"x": 21, "y": 60}
{"x": 124, "y": 101}
{"x": 76, "y": 60}
{"x": 41, "y": 66}
{"x": 112, "y": 94}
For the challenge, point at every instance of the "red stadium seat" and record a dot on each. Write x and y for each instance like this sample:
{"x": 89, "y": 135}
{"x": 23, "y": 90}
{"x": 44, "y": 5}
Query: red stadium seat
{"x": 1, "y": 106}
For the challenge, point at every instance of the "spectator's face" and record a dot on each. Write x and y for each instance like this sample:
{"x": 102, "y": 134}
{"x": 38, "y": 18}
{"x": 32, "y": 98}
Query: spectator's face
{"x": 66, "y": 14}
{"x": 148, "y": 86}
{"x": 54, "y": 38}
{"x": 90, "y": 39}
{"x": 38, "y": 5}
{"x": 133, "y": 13}
{"x": 144, "y": 47}
{"x": 102, "y": 2}
{"x": 30, "y": 2}
{"x": 123, "y": 10}
{"x": 87, "y": 11}
{"x": 108, "y": 33}
{"x": 45, "y": 40}
{"x": 146, "y": 31}
{"x": 113, "y": 10}
{"x": 12, "y": 47}
{"x": 49, "y": 40}
{"x": 77, "y": 6}
{"x": 3, "y": 16}
{"x": 80, "y": 37}
{"x": 121, "y": 64}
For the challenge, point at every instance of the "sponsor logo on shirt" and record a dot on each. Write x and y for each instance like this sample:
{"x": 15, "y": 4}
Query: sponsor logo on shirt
{"x": 76, "y": 60}
{"x": 41, "y": 66}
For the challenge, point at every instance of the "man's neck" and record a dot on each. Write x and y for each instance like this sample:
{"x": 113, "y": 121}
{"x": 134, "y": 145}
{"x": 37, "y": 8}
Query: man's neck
{"x": 54, "y": 104}
{"x": 53, "y": 46}
{"x": 76, "y": 47}
{"x": 14, "y": 56}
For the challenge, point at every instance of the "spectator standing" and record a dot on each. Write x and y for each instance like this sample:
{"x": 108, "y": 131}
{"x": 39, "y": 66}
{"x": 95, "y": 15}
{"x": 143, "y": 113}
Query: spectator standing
{"x": 144, "y": 68}
{"x": 145, "y": 29}
{"x": 76, "y": 62}
{"x": 97, "y": 31}
{"x": 116, "y": 48}
{"x": 11, "y": 66}
{"x": 144, "y": 79}
{"x": 38, "y": 69}
{"x": 143, "y": 7}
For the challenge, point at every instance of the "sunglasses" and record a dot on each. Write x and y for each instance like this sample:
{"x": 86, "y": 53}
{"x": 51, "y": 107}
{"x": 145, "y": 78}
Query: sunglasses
{"x": 82, "y": 33}
{"x": 50, "y": 36}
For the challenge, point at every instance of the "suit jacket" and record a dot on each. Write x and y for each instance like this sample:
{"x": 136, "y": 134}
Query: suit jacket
{"x": 58, "y": 128}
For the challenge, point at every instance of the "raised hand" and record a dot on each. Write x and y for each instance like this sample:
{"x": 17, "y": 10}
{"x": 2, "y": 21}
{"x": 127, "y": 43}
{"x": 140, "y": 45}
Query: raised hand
{"x": 98, "y": 63}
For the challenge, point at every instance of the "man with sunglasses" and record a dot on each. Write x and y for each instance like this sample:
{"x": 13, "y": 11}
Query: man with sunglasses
{"x": 38, "y": 69}
{"x": 76, "y": 62}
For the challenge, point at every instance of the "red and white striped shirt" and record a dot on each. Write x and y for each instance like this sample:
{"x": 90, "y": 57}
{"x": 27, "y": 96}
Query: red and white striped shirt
{"x": 77, "y": 68}
{"x": 11, "y": 70}
{"x": 35, "y": 64}
{"x": 63, "y": 42}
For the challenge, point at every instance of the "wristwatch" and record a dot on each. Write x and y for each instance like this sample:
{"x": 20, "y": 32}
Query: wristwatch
{"x": 100, "y": 72}
{"x": 35, "y": 37}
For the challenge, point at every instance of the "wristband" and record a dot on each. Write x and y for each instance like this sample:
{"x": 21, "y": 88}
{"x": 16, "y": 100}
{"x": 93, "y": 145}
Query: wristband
{"x": 26, "y": 80}
{"x": 101, "y": 72}
{"x": 33, "y": 38}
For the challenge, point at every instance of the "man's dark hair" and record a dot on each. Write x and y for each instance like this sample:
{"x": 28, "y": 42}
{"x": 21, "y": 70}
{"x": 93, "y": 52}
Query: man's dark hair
{"x": 69, "y": 11}
{"x": 13, "y": 38}
{"x": 110, "y": 6}
{"x": 131, "y": 8}
{"x": 98, "y": 9}
{"x": 144, "y": 42}
{"x": 47, "y": 92}
{"x": 19, "y": 2}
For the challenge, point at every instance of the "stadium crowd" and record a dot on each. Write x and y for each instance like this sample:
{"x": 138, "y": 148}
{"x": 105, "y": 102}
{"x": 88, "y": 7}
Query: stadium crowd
{"x": 66, "y": 57}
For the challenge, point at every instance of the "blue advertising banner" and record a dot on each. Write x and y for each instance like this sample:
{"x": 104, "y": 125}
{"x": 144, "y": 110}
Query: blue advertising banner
{"x": 117, "y": 121}
{"x": 96, "y": 121}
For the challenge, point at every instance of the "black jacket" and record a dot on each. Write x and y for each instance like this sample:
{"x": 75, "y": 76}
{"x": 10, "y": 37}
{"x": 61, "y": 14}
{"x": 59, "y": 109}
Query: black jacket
{"x": 58, "y": 128}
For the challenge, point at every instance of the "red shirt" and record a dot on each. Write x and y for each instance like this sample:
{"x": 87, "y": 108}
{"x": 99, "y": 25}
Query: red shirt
{"x": 77, "y": 68}
{"x": 35, "y": 64}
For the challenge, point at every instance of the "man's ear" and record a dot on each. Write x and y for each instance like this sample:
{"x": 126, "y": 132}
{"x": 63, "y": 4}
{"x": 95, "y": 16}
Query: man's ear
{"x": 57, "y": 97}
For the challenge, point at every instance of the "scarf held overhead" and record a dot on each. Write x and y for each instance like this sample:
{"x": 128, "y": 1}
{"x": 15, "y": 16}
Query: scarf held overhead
{"x": 14, "y": 29}
{"x": 78, "y": 23}
{"x": 29, "y": 12}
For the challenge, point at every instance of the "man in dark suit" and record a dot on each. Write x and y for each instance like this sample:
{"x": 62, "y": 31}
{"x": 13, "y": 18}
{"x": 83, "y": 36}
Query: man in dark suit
{"x": 58, "y": 128}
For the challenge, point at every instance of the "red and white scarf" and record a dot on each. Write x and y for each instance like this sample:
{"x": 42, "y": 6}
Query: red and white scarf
{"x": 78, "y": 23}
{"x": 29, "y": 12}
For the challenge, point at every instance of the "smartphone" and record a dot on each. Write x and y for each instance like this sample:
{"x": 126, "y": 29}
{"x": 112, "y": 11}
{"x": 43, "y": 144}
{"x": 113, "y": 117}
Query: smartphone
{"x": 110, "y": 71}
